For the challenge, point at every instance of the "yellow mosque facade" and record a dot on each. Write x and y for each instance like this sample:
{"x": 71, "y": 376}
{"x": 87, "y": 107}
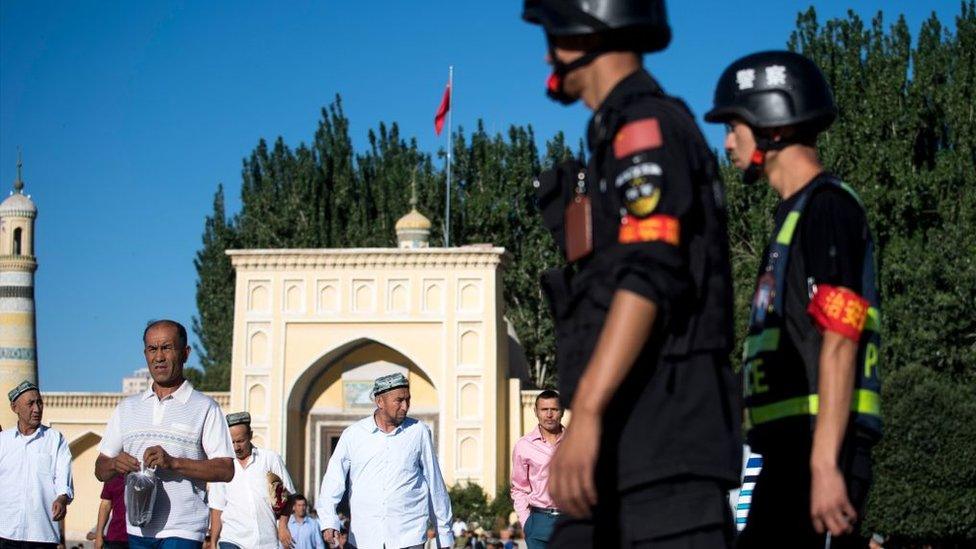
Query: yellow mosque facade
{"x": 314, "y": 327}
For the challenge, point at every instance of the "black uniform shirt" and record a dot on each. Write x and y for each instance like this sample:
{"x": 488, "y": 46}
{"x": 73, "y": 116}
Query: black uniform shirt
{"x": 658, "y": 231}
{"x": 828, "y": 248}
{"x": 833, "y": 236}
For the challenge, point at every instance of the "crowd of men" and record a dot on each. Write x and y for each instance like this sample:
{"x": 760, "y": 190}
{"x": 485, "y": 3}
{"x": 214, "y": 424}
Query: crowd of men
{"x": 209, "y": 484}
{"x": 643, "y": 321}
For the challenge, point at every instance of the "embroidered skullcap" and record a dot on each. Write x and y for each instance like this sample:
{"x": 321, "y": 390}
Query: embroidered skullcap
{"x": 238, "y": 418}
{"x": 389, "y": 382}
{"x": 21, "y": 389}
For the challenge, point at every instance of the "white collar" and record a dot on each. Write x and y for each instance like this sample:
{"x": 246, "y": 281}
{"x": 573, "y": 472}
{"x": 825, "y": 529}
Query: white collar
{"x": 181, "y": 394}
{"x": 38, "y": 433}
{"x": 250, "y": 459}
{"x": 370, "y": 426}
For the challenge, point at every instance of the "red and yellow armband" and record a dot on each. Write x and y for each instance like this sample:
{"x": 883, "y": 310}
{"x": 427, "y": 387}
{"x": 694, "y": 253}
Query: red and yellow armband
{"x": 839, "y": 310}
{"x": 663, "y": 228}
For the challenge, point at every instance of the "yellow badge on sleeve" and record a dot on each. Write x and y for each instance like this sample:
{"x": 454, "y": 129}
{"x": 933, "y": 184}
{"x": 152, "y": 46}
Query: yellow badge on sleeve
{"x": 639, "y": 188}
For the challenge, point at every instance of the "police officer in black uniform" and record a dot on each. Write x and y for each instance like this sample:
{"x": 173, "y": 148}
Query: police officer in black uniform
{"x": 811, "y": 355}
{"x": 643, "y": 308}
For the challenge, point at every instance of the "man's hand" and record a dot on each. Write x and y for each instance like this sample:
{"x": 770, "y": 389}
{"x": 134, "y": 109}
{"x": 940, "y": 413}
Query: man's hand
{"x": 99, "y": 541}
{"x": 829, "y": 507}
{"x": 155, "y": 456}
{"x": 284, "y": 535}
{"x": 59, "y": 508}
{"x": 123, "y": 464}
{"x": 571, "y": 482}
{"x": 330, "y": 536}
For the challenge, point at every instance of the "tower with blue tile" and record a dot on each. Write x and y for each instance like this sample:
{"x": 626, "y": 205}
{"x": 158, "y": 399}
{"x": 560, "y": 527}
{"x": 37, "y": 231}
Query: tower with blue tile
{"x": 18, "y": 349}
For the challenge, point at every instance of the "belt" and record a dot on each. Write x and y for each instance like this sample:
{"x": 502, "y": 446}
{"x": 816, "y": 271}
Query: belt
{"x": 546, "y": 510}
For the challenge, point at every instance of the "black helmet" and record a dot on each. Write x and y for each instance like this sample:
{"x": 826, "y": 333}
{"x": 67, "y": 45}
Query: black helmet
{"x": 644, "y": 23}
{"x": 774, "y": 88}
{"x": 615, "y": 25}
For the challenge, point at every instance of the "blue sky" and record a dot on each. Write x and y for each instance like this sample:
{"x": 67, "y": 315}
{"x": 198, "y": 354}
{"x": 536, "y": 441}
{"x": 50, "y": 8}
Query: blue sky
{"x": 131, "y": 113}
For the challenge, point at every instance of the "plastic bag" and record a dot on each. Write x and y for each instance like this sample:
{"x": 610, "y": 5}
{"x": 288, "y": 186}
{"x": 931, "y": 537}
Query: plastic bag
{"x": 140, "y": 495}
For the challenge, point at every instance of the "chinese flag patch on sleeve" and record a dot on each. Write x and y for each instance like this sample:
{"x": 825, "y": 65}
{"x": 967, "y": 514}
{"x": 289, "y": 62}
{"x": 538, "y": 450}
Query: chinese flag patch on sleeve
{"x": 839, "y": 310}
{"x": 637, "y": 136}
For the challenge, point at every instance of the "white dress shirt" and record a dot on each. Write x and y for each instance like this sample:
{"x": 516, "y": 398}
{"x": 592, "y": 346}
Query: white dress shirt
{"x": 187, "y": 424}
{"x": 246, "y": 514}
{"x": 396, "y": 485}
{"x": 34, "y": 470}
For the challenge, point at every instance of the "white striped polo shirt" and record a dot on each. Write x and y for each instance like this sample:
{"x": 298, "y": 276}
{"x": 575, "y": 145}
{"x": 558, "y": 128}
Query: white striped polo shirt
{"x": 187, "y": 424}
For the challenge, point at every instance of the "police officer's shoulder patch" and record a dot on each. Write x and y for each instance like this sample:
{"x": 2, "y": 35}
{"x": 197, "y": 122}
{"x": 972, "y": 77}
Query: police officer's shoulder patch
{"x": 637, "y": 136}
{"x": 639, "y": 186}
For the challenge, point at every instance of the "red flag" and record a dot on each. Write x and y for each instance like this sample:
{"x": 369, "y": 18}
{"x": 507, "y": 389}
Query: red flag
{"x": 442, "y": 110}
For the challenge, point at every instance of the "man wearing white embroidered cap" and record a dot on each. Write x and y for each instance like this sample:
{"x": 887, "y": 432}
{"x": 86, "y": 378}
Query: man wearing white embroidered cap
{"x": 35, "y": 475}
{"x": 175, "y": 429}
{"x": 396, "y": 482}
{"x": 249, "y": 511}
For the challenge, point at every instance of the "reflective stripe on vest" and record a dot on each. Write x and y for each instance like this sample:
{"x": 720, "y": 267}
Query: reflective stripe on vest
{"x": 864, "y": 401}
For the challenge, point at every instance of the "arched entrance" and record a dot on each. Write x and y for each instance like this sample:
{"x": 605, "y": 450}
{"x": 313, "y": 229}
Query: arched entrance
{"x": 334, "y": 392}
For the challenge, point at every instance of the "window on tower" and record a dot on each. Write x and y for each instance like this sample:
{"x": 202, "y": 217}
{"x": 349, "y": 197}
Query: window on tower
{"x": 17, "y": 233}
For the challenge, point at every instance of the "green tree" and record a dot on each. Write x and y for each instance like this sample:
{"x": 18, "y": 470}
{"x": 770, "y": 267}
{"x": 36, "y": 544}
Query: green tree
{"x": 471, "y": 503}
{"x": 215, "y": 300}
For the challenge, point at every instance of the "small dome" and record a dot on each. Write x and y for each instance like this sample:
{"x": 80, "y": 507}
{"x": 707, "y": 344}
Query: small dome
{"x": 413, "y": 221}
{"x": 17, "y": 203}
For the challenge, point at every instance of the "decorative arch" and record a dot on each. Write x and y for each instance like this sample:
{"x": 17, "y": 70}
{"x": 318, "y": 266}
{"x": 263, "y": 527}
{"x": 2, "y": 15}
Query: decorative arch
{"x": 258, "y": 298}
{"x": 468, "y": 454}
{"x": 468, "y": 349}
{"x": 294, "y": 298}
{"x": 257, "y": 354}
{"x": 469, "y": 401}
{"x": 257, "y": 399}
{"x": 398, "y": 298}
{"x": 470, "y": 297}
{"x": 298, "y": 391}
{"x": 17, "y": 241}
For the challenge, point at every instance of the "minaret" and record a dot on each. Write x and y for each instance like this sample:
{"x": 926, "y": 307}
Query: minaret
{"x": 413, "y": 229}
{"x": 18, "y": 350}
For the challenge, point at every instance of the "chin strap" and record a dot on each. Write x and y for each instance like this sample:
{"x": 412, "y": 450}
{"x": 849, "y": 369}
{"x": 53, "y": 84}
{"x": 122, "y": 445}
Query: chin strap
{"x": 757, "y": 163}
{"x": 557, "y": 80}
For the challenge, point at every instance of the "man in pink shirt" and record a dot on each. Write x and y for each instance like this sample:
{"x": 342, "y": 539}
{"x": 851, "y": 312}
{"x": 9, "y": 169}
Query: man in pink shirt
{"x": 530, "y": 471}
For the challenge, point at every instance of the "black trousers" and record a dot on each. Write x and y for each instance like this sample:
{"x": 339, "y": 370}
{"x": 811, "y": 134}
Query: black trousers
{"x": 674, "y": 514}
{"x": 779, "y": 514}
{"x": 13, "y": 544}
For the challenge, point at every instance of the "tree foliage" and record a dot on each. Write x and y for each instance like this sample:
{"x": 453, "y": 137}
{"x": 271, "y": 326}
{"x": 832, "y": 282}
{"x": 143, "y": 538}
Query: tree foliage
{"x": 470, "y": 502}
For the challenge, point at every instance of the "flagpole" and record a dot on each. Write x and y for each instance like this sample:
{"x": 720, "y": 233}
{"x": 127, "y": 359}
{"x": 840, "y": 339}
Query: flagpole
{"x": 450, "y": 130}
